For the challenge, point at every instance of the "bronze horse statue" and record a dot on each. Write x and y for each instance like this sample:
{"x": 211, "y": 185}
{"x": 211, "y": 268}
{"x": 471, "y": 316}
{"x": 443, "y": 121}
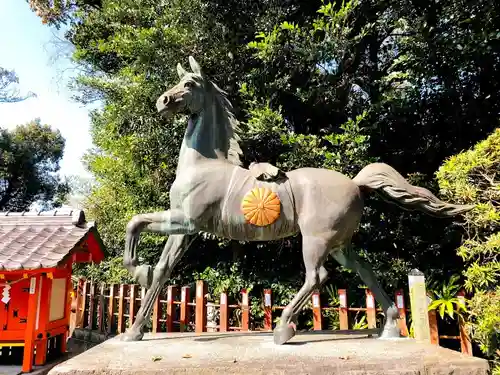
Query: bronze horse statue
{"x": 213, "y": 193}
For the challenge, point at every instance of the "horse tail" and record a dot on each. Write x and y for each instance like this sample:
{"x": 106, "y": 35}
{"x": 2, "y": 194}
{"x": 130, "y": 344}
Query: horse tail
{"x": 393, "y": 187}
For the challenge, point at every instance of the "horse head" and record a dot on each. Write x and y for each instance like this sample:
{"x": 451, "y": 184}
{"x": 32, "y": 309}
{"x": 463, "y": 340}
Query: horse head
{"x": 187, "y": 95}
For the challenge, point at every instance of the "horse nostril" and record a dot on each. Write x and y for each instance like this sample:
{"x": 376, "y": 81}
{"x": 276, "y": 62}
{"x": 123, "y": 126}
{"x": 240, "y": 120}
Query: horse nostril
{"x": 166, "y": 99}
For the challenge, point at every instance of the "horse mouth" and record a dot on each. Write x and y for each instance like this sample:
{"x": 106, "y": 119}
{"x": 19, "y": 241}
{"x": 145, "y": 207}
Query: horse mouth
{"x": 170, "y": 105}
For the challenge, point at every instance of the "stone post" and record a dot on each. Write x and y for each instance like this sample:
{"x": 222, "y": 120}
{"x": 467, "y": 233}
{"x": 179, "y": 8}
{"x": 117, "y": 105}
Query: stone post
{"x": 419, "y": 306}
{"x": 211, "y": 317}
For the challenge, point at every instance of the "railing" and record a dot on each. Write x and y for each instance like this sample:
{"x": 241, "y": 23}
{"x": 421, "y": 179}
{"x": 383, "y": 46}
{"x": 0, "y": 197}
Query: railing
{"x": 110, "y": 309}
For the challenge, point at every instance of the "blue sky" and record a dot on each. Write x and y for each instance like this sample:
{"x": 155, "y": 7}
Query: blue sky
{"x": 25, "y": 46}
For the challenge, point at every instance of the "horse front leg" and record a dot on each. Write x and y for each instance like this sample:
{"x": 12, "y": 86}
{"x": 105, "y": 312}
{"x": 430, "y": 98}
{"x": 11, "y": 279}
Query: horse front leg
{"x": 175, "y": 247}
{"x": 164, "y": 222}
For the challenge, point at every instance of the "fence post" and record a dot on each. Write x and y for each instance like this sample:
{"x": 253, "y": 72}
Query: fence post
{"x": 201, "y": 307}
{"x": 121, "y": 308}
{"x": 465, "y": 342}
{"x": 433, "y": 327}
{"x": 111, "y": 307}
{"x": 245, "y": 311}
{"x": 100, "y": 309}
{"x": 371, "y": 313}
{"x": 268, "y": 310}
{"x": 184, "y": 318}
{"x": 157, "y": 313}
{"x": 132, "y": 302}
{"x": 400, "y": 304}
{"x": 171, "y": 295}
{"x": 223, "y": 313}
{"x": 419, "y": 306}
{"x": 343, "y": 315}
{"x": 81, "y": 291}
{"x": 84, "y": 318}
{"x": 90, "y": 324}
{"x": 316, "y": 307}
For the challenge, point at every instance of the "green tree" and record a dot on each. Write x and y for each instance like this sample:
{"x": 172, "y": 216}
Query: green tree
{"x": 471, "y": 177}
{"x": 29, "y": 159}
{"x": 333, "y": 85}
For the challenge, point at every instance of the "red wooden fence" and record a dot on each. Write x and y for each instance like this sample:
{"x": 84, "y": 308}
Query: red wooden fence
{"x": 114, "y": 307}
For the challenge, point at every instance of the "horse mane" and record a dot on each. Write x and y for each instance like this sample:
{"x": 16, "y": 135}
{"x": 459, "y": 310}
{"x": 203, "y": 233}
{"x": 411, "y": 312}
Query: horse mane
{"x": 232, "y": 126}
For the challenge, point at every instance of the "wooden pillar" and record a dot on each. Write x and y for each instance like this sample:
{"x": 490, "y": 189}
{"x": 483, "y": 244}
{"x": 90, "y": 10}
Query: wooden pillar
{"x": 111, "y": 307}
{"x": 29, "y": 335}
{"x": 268, "y": 310}
{"x": 100, "y": 309}
{"x": 157, "y": 313}
{"x": 80, "y": 303}
{"x": 201, "y": 307}
{"x": 69, "y": 288}
{"x": 465, "y": 341}
{"x": 85, "y": 316}
{"x": 172, "y": 292}
{"x": 184, "y": 316}
{"x": 245, "y": 311}
{"x": 223, "y": 313}
{"x": 400, "y": 304}
{"x": 91, "y": 305}
{"x": 132, "y": 303}
{"x": 371, "y": 313}
{"x": 121, "y": 308}
{"x": 43, "y": 319}
{"x": 316, "y": 307}
{"x": 433, "y": 327}
{"x": 343, "y": 312}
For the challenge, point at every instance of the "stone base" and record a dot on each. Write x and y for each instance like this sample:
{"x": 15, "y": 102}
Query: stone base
{"x": 255, "y": 353}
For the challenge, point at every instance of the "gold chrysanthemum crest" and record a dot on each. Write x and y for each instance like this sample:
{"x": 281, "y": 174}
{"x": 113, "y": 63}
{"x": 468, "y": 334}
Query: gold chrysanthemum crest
{"x": 261, "y": 206}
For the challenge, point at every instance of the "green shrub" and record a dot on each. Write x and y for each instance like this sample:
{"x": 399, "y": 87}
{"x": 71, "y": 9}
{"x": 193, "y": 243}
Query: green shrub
{"x": 471, "y": 177}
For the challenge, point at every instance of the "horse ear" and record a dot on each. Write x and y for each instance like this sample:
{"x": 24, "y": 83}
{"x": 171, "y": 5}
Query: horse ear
{"x": 181, "y": 71}
{"x": 195, "y": 67}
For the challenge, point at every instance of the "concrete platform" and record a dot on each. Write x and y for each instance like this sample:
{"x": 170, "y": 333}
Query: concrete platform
{"x": 255, "y": 353}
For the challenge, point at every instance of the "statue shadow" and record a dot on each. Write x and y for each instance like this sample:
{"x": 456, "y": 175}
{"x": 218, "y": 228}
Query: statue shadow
{"x": 210, "y": 337}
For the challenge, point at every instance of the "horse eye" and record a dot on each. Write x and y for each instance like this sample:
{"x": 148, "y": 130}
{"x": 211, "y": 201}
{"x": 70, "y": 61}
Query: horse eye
{"x": 189, "y": 84}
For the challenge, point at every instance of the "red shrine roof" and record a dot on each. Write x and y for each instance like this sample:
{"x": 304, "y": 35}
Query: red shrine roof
{"x": 32, "y": 240}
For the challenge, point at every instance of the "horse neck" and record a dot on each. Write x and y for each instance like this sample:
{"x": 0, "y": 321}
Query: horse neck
{"x": 206, "y": 137}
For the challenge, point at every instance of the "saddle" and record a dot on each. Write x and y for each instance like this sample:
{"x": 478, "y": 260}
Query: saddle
{"x": 267, "y": 172}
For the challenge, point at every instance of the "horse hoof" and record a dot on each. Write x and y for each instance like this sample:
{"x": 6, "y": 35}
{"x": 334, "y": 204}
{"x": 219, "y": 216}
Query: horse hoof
{"x": 390, "y": 333}
{"x": 392, "y": 312}
{"x": 132, "y": 336}
{"x": 391, "y": 329}
{"x": 143, "y": 275}
{"x": 283, "y": 334}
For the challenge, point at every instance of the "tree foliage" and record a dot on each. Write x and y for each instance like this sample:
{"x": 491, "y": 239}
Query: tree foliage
{"x": 29, "y": 159}
{"x": 9, "y": 93}
{"x": 471, "y": 177}
{"x": 320, "y": 84}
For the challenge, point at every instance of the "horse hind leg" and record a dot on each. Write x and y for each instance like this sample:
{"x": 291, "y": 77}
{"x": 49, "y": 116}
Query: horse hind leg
{"x": 315, "y": 251}
{"x": 349, "y": 259}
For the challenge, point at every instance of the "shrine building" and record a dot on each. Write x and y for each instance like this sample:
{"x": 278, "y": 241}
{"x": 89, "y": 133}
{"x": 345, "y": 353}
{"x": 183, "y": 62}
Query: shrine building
{"x": 37, "y": 252}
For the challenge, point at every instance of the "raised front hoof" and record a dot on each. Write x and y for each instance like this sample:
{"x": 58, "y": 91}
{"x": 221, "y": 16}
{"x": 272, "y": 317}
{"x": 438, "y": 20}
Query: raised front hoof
{"x": 143, "y": 275}
{"x": 283, "y": 334}
{"x": 131, "y": 336}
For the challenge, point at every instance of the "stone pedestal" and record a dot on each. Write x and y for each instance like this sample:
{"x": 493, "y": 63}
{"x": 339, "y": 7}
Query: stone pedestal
{"x": 254, "y": 353}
